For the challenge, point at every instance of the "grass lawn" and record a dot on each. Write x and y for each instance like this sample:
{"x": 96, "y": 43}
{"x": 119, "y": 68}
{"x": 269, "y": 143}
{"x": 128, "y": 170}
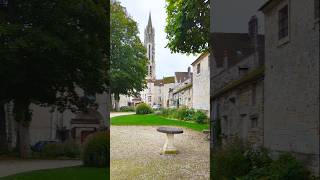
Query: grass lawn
{"x": 69, "y": 173}
{"x": 154, "y": 120}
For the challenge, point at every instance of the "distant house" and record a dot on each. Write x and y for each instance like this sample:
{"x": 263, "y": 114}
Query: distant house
{"x": 201, "y": 83}
{"x": 182, "y": 91}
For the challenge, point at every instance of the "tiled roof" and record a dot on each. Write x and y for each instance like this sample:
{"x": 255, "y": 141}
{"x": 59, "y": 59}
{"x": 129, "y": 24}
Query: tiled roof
{"x": 235, "y": 45}
{"x": 158, "y": 82}
{"x": 181, "y": 76}
{"x": 168, "y": 80}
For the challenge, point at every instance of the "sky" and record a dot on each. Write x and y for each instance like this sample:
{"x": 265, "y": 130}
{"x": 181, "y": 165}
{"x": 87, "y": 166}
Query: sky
{"x": 166, "y": 62}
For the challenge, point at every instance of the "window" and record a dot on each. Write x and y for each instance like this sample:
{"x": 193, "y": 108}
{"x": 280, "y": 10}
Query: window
{"x": 3, "y": 3}
{"x": 254, "y": 122}
{"x": 149, "y": 98}
{"x": 243, "y": 70}
{"x": 316, "y": 9}
{"x": 198, "y": 68}
{"x": 150, "y": 71}
{"x": 283, "y": 22}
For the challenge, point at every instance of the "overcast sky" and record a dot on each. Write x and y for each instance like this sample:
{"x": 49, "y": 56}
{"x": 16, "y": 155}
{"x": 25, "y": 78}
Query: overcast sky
{"x": 166, "y": 63}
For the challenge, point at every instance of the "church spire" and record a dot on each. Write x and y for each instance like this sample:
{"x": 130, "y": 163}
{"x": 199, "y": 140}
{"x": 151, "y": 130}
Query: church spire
{"x": 149, "y": 21}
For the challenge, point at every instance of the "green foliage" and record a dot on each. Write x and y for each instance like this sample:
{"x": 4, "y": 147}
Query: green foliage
{"x": 200, "y": 117}
{"x": 187, "y": 25}
{"x": 72, "y": 173}
{"x": 128, "y": 55}
{"x": 243, "y": 162}
{"x": 127, "y": 109}
{"x": 96, "y": 150}
{"x": 58, "y": 150}
{"x": 154, "y": 120}
{"x": 286, "y": 167}
{"x": 230, "y": 162}
{"x": 49, "y": 48}
{"x": 143, "y": 108}
{"x": 185, "y": 114}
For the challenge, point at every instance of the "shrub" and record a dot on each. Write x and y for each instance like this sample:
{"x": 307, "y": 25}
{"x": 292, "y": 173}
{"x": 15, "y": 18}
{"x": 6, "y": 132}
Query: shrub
{"x": 200, "y": 117}
{"x": 286, "y": 167}
{"x": 143, "y": 109}
{"x": 55, "y": 150}
{"x": 127, "y": 109}
{"x": 230, "y": 162}
{"x": 95, "y": 152}
{"x": 182, "y": 113}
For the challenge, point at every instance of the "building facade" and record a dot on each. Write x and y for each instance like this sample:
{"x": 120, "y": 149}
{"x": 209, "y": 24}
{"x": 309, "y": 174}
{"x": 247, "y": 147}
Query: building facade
{"x": 237, "y": 84}
{"x": 201, "y": 83}
{"x": 292, "y": 78}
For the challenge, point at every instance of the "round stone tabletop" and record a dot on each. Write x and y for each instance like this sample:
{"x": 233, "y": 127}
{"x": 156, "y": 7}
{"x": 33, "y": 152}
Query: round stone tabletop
{"x": 170, "y": 130}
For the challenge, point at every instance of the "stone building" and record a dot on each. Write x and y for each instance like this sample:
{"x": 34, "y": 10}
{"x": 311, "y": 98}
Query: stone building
{"x": 237, "y": 84}
{"x": 292, "y": 78}
{"x": 270, "y": 97}
{"x": 48, "y": 123}
{"x": 201, "y": 83}
{"x": 182, "y": 91}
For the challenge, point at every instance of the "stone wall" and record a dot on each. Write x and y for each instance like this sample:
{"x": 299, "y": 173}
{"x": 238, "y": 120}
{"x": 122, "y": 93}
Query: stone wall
{"x": 292, "y": 83}
{"x": 201, "y": 85}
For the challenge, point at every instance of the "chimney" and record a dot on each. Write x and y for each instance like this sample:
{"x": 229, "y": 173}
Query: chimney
{"x": 189, "y": 72}
{"x": 253, "y": 33}
{"x": 253, "y": 26}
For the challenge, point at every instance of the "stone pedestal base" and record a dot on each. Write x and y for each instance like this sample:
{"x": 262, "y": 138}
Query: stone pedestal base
{"x": 168, "y": 147}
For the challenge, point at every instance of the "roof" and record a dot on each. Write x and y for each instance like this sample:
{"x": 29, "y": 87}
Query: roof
{"x": 158, "y": 82}
{"x": 187, "y": 86}
{"x": 168, "y": 80}
{"x": 267, "y": 4}
{"x": 181, "y": 76}
{"x": 251, "y": 76}
{"x": 201, "y": 57}
{"x": 235, "y": 46}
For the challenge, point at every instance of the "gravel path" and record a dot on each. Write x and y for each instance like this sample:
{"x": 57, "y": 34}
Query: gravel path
{"x": 135, "y": 154}
{"x": 10, "y": 167}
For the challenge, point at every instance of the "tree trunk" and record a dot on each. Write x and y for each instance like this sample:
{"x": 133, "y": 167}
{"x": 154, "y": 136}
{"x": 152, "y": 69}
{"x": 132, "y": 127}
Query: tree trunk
{"x": 116, "y": 102}
{"x": 22, "y": 117}
{"x": 3, "y": 132}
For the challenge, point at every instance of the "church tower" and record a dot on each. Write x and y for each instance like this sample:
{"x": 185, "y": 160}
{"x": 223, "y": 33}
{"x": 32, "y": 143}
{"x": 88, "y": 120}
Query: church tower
{"x": 149, "y": 45}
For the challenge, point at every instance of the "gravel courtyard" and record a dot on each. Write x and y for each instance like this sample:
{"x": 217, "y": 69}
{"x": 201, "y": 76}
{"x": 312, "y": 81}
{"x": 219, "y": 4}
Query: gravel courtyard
{"x": 135, "y": 154}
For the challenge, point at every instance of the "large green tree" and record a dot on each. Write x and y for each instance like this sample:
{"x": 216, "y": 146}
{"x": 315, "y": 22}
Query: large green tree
{"x": 187, "y": 25}
{"x": 128, "y": 55}
{"x": 48, "y": 48}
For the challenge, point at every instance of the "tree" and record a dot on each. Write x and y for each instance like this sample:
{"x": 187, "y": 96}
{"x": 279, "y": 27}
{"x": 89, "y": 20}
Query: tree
{"x": 47, "y": 49}
{"x": 128, "y": 59}
{"x": 187, "y": 25}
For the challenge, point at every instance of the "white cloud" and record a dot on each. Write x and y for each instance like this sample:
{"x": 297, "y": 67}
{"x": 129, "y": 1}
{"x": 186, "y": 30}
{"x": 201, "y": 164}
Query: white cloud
{"x": 166, "y": 63}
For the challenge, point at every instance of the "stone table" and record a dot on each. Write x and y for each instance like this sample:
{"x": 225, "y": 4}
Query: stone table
{"x": 169, "y": 147}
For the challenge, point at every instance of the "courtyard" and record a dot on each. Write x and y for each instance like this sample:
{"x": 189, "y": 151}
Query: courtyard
{"x": 135, "y": 151}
